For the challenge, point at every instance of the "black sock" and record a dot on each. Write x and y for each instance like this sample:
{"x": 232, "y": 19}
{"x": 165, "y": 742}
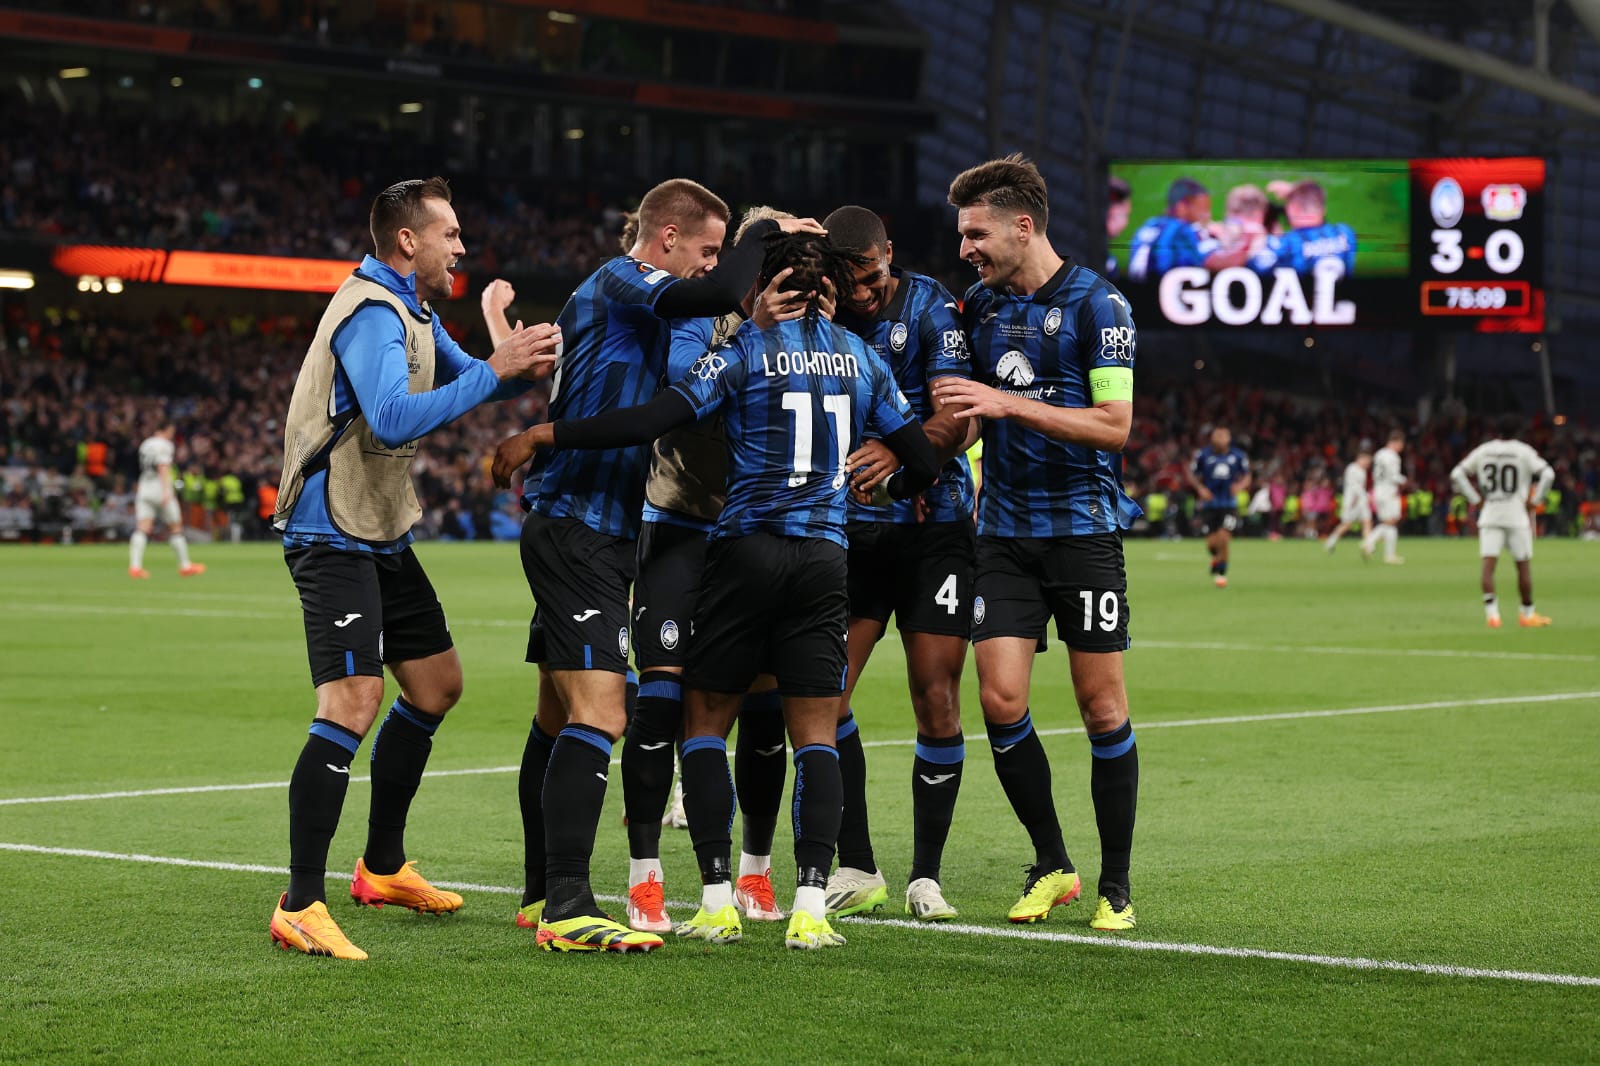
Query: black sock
{"x": 647, "y": 760}
{"x": 935, "y": 783}
{"x": 1114, "y": 785}
{"x": 818, "y": 798}
{"x": 760, "y": 765}
{"x": 855, "y": 837}
{"x": 316, "y": 796}
{"x": 1024, "y": 772}
{"x": 530, "y": 797}
{"x": 708, "y": 801}
{"x": 574, "y": 792}
{"x": 1222, "y": 568}
{"x": 399, "y": 755}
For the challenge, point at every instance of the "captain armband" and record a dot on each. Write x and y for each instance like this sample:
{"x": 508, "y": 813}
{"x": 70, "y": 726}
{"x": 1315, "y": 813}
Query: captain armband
{"x": 1108, "y": 384}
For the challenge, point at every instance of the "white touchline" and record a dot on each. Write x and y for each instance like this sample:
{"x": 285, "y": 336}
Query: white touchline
{"x": 896, "y": 742}
{"x": 947, "y": 928}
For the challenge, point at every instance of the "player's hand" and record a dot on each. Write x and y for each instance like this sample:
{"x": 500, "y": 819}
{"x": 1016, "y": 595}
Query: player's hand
{"x": 976, "y": 400}
{"x": 800, "y": 225}
{"x": 777, "y": 304}
{"x": 530, "y": 352}
{"x": 921, "y": 507}
{"x": 498, "y": 296}
{"x": 828, "y": 299}
{"x": 1205, "y": 494}
{"x": 515, "y": 451}
{"x": 873, "y": 462}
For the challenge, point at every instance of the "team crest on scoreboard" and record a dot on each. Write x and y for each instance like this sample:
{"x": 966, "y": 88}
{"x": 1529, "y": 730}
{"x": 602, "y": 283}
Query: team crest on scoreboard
{"x": 1052, "y": 322}
{"x": 897, "y": 337}
{"x": 669, "y": 634}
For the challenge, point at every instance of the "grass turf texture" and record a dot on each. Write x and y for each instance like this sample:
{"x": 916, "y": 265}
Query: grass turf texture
{"x": 1459, "y": 836}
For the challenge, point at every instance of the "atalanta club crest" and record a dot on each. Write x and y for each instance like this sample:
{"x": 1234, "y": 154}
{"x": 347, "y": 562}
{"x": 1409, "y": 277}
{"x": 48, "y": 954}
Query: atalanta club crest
{"x": 978, "y": 611}
{"x": 669, "y": 634}
{"x": 897, "y": 337}
{"x": 1052, "y": 322}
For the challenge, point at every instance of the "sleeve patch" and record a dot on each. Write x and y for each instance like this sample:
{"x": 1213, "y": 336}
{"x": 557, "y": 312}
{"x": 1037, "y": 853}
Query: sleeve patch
{"x": 1108, "y": 384}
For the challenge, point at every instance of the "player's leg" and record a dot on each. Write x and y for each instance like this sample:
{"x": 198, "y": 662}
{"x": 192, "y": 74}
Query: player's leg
{"x": 1520, "y": 541}
{"x": 1338, "y": 531}
{"x": 1211, "y": 523}
{"x": 1224, "y": 536}
{"x": 144, "y": 523}
{"x": 709, "y": 800}
{"x": 550, "y": 717}
{"x": 818, "y": 792}
{"x": 760, "y": 768}
{"x": 1491, "y": 541}
{"x": 173, "y": 518}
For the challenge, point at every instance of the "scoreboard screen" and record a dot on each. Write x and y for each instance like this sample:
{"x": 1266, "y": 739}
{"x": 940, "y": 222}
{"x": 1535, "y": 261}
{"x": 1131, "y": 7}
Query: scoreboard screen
{"x": 1378, "y": 243}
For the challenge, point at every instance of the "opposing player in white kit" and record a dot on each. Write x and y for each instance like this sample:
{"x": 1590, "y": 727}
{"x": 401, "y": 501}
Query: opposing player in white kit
{"x": 1511, "y": 477}
{"x": 1388, "y": 478}
{"x": 1356, "y": 507}
{"x": 154, "y": 499}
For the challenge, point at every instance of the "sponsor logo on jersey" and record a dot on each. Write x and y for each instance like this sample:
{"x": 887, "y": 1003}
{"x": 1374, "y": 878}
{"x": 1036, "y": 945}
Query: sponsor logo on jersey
{"x": 1116, "y": 342}
{"x": 709, "y": 366}
{"x": 1014, "y": 369}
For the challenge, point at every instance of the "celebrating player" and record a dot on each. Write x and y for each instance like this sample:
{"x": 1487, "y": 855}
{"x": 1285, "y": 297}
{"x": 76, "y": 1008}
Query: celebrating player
{"x": 154, "y": 498}
{"x": 1355, "y": 508}
{"x": 1511, "y": 477}
{"x": 1388, "y": 478}
{"x": 773, "y": 598}
{"x": 1052, "y": 358}
{"x": 911, "y": 560}
{"x": 1313, "y": 244}
{"x": 1181, "y": 237}
{"x": 1219, "y": 474}
{"x": 381, "y": 373}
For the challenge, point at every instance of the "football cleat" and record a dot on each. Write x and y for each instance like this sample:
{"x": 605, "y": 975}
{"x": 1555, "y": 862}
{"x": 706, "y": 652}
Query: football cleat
{"x": 926, "y": 903}
{"x": 593, "y": 932}
{"x": 1043, "y": 890}
{"x": 405, "y": 888}
{"x": 1113, "y": 913}
{"x": 1494, "y": 621}
{"x": 312, "y": 931}
{"x": 808, "y": 933}
{"x": 528, "y": 916}
{"x": 1394, "y": 560}
{"x": 720, "y": 928}
{"x": 138, "y": 572}
{"x": 647, "y": 906}
{"x": 191, "y": 569}
{"x": 1532, "y": 621}
{"x": 852, "y": 891}
{"x": 753, "y": 893}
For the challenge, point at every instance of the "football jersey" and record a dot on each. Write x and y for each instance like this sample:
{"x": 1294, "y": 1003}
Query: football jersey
{"x": 1165, "y": 242}
{"x": 1307, "y": 250}
{"x": 1046, "y": 347}
{"x": 1218, "y": 471}
{"x": 613, "y": 355}
{"x": 1355, "y": 482}
{"x": 155, "y": 453}
{"x": 1387, "y": 475}
{"x": 795, "y": 403}
{"x": 688, "y": 480}
{"x": 919, "y": 335}
{"x": 1505, "y": 471}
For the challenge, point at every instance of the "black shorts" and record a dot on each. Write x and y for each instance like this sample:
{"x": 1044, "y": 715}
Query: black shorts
{"x": 771, "y": 605}
{"x": 1217, "y": 520}
{"x": 363, "y": 609}
{"x": 671, "y": 562}
{"x": 921, "y": 573}
{"x": 580, "y": 581}
{"x": 1080, "y": 581}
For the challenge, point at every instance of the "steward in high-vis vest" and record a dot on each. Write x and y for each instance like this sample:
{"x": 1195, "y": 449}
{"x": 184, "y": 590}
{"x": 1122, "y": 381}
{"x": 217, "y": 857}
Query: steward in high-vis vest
{"x": 380, "y": 374}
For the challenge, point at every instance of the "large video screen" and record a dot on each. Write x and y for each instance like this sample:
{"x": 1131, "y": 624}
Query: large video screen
{"x": 1309, "y": 243}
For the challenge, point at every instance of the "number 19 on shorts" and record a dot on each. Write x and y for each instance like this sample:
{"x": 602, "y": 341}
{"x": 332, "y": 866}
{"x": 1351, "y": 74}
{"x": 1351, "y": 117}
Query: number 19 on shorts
{"x": 1105, "y": 606}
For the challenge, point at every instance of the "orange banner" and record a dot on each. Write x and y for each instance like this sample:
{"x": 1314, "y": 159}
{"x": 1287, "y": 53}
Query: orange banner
{"x": 213, "y": 269}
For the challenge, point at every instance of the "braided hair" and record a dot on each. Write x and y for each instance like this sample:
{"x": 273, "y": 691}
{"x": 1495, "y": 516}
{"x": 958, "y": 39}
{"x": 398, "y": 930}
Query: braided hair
{"x": 814, "y": 258}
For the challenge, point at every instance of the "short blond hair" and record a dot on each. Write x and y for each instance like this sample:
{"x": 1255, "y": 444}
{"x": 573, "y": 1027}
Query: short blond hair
{"x": 760, "y": 213}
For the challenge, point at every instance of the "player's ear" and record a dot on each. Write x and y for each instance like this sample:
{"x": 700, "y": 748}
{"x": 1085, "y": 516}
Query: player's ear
{"x": 888, "y": 251}
{"x": 669, "y": 236}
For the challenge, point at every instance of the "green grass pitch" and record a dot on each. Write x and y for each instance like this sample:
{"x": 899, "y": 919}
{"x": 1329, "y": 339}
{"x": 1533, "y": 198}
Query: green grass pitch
{"x": 1340, "y": 763}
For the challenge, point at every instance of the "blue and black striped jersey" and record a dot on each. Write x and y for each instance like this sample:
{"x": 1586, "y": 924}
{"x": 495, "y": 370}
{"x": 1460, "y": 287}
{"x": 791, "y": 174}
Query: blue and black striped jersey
{"x": 795, "y": 403}
{"x": 614, "y": 356}
{"x": 1043, "y": 347}
{"x": 1218, "y": 471}
{"x": 1304, "y": 250}
{"x": 919, "y": 335}
{"x": 1165, "y": 242}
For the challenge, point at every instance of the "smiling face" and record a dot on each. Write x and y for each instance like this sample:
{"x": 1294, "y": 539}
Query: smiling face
{"x": 691, "y": 254}
{"x": 992, "y": 241}
{"x": 874, "y": 284}
{"x": 434, "y": 249}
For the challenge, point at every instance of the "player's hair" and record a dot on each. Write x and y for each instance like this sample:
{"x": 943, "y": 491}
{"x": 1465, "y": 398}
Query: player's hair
{"x": 1307, "y": 190}
{"x": 675, "y": 202}
{"x": 1363, "y": 454}
{"x": 760, "y": 213}
{"x": 1243, "y": 198}
{"x": 1508, "y": 426}
{"x": 1183, "y": 189}
{"x": 401, "y": 206}
{"x": 1012, "y": 184}
{"x": 813, "y": 257}
{"x": 1396, "y": 434}
{"x": 855, "y": 229}
{"x": 1118, "y": 191}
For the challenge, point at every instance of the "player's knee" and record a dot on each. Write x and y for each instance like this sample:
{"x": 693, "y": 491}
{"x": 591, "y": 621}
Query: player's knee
{"x": 937, "y": 706}
{"x": 1103, "y": 711}
{"x": 352, "y": 702}
{"x": 1002, "y": 702}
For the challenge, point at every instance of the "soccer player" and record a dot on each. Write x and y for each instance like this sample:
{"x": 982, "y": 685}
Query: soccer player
{"x": 154, "y": 498}
{"x": 1119, "y": 207}
{"x": 1313, "y": 244}
{"x": 1388, "y": 478}
{"x": 1511, "y": 477}
{"x": 578, "y": 541}
{"x": 795, "y": 398}
{"x": 1052, "y": 359}
{"x": 381, "y": 373}
{"x": 1355, "y": 508}
{"x": 1181, "y": 237}
{"x": 1220, "y": 472}
{"x": 911, "y": 560}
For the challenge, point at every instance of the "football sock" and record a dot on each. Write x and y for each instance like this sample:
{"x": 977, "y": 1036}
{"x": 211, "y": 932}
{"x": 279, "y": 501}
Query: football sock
{"x": 855, "y": 838}
{"x": 708, "y": 801}
{"x": 639, "y": 871}
{"x": 1527, "y": 610}
{"x": 1222, "y": 568}
{"x": 760, "y": 765}
{"x": 136, "y": 545}
{"x": 1114, "y": 785}
{"x": 574, "y": 792}
{"x": 818, "y": 795}
{"x": 935, "y": 782}
{"x": 399, "y": 755}
{"x": 647, "y": 760}
{"x": 316, "y": 796}
{"x": 530, "y": 797}
{"x": 1024, "y": 772}
{"x": 180, "y": 544}
{"x": 630, "y": 698}
{"x": 1491, "y": 606}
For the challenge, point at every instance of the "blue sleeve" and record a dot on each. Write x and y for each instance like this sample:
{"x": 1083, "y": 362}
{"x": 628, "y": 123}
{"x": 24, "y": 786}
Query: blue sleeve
{"x": 889, "y": 410}
{"x": 1244, "y": 464}
{"x": 1350, "y": 256}
{"x": 713, "y": 378}
{"x": 628, "y": 281}
{"x": 691, "y": 339}
{"x": 453, "y": 361}
{"x": 944, "y": 342}
{"x": 371, "y": 349}
{"x": 1106, "y": 334}
{"x": 1199, "y": 465}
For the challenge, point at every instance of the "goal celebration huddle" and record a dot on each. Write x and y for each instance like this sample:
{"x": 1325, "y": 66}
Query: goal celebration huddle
{"x": 754, "y": 460}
